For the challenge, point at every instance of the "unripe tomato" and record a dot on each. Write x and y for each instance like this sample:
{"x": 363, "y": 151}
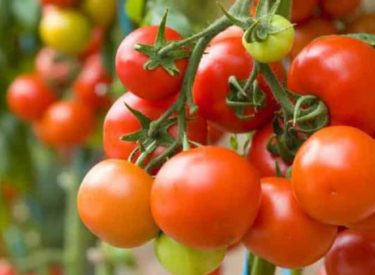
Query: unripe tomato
{"x": 101, "y": 12}
{"x": 333, "y": 176}
{"x": 339, "y": 8}
{"x": 28, "y": 97}
{"x": 282, "y": 233}
{"x": 114, "y": 203}
{"x": 182, "y": 260}
{"x": 148, "y": 84}
{"x": 206, "y": 212}
{"x": 277, "y": 44}
{"x": 352, "y": 253}
{"x": 66, "y": 30}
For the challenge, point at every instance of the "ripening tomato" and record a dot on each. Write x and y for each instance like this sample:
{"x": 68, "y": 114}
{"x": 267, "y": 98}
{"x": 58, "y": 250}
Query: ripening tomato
{"x": 261, "y": 158}
{"x": 206, "y": 197}
{"x": 339, "y": 8}
{"x": 114, "y": 203}
{"x": 282, "y": 233}
{"x": 148, "y": 84}
{"x": 95, "y": 43}
{"x": 310, "y": 30}
{"x": 61, "y": 3}
{"x": 93, "y": 83}
{"x": 224, "y": 59}
{"x": 101, "y": 12}
{"x": 363, "y": 24}
{"x": 333, "y": 176}
{"x": 66, "y": 30}
{"x": 352, "y": 253}
{"x": 66, "y": 124}
{"x": 303, "y": 9}
{"x": 350, "y": 98}
{"x": 28, "y": 97}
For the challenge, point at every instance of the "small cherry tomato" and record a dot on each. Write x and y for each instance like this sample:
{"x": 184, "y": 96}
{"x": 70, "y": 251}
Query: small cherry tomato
{"x": 148, "y": 84}
{"x": 282, "y": 233}
{"x": 66, "y": 30}
{"x": 303, "y": 9}
{"x": 231, "y": 32}
{"x": 339, "y": 8}
{"x": 29, "y": 97}
{"x": 352, "y": 253}
{"x": 333, "y": 175}
{"x": 363, "y": 24}
{"x": 276, "y": 45}
{"x": 206, "y": 212}
{"x": 101, "y": 12}
{"x": 114, "y": 203}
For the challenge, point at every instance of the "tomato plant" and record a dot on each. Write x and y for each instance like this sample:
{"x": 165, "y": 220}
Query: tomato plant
{"x": 332, "y": 176}
{"x": 205, "y": 212}
{"x": 113, "y": 202}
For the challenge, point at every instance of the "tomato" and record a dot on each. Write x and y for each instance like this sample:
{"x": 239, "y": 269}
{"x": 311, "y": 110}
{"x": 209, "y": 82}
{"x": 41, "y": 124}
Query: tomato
{"x": 352, "y": 253}
{"x": 66, "y": 124}
{"x": 119, "y": 121}
{"x": 339, "y": 8}
{"x": 367, "y": 224}
{"x": 62, "y": 3}
{"x": 101, "y": 12}
{"x": 303, "y": 9}
{"x": 231, "y": 32}
{"x": 148, "y": 84}
{"x": 10, "y": 192}
{"x": 28, "y": 97}
{"x": 66, "y": 30}
{"x": 93, "y": 83}
{"x": 182, "y": 260}
{"x": 261, "y": 158}
{"x": 114, "y": 203}
{"x": 350, "y": 62}
{"x": 333, "y": 175}
{"x": 6, "y": 268}
{"x": 95, "y": 43}
{"x": 282, "y": 233}
{"x": 224, "y": 59}
{"x": 57, "y": 69}
{"x": 277, "y": 44}
{"x": 363, "y": 24}
{"x": 310, "y": 30}
{"x": 207, "y": 212}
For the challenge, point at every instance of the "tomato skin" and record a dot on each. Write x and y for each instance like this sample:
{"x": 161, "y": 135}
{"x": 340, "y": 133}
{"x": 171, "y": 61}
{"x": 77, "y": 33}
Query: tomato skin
{"x": 303, "y": 9}
{"x": 113, "y": 202}
{"x": 205, "y": 212}
{"x": 224, "y": 59}
{"x": 261, "y": 158}
{"x": 367, "y": 224}
{"x": 95, "y": 43}
{"x": 352, "y": 253}
{"x": 28, "y": 97}
{"x": 339, "y": 8}
{"x": 130, "y": 62}
{"x": 350, "y": 62}
{"x": 214, "y": 135}
{"x": 92, "y": 84}
{"x": 365, "y": 23}
{"x": 231, "y": 32}
{"x": 276, "y": 46}
{"x": 332, "y": 175}
{"x": 66, "y": 30}
{"x": 66, "y": 124}
{"x": 282, "y": 233}
{"x": 101, "y": 12}
{"x": 61, "y": 3}
{"x": 310, "y": 30}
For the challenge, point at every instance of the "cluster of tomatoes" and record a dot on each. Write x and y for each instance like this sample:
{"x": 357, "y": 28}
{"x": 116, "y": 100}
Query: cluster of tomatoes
{"x": 73, "y": 33}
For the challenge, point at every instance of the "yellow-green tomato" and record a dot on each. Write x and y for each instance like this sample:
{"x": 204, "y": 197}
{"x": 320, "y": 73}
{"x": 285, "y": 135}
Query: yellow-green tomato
{"x": 277, "y": 44}
{"x": 66, "y": 30}
{"x": 101, "y": 12}
{"x": 182, "y": 260}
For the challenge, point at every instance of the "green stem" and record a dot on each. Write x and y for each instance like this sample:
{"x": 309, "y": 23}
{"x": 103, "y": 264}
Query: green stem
{"x": 104, "y": 268}
{"x": 296, "y": 272}
{"x": 39, "y": 258}
{"x": 162, "y": 156}
{"x": 262, "y": 267}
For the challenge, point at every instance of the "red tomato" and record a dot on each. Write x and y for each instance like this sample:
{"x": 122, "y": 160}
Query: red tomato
{"x": 28, "y": 97}
{"x": 56, "y": 69}
{"x": 224, "y": 59}
{"x": 282, "y": 233}
{"x": 92, "y": 84}
{"x": 303, "y": 9}
{"x": 350, "y": 98}
{"x": 231, "y": 32}
{"x": 96, "y": 41}
{"x": 310, "y": 30}
{"x": 261, "y": 158}
{"x": 66, "y": 124}
{"x": 6, "y": 268}
{"x": 62, "y": 3}
{"x": 114, "y": 203}
{"x": 352, "y": 253}
{"x": 206, "y": 197}
{"x": 333, "y": 175}
{"x": 367, "y": 224}
{"x": 10, "y": 192}
{"x": 339, "y": 8}
{"x": 365, "y": 23}
{"x": 148, "y": 84}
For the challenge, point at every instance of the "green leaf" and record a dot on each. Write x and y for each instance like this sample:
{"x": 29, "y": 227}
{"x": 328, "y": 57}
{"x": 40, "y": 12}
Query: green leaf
{"x": 234, "y": 142}
{"x": 364, "y": 37}
{"x": 135, "y": 9}
{"x": 285, "y": 9}
{"x": 134, "y": 136}
{"x": 144, "y": 120}
{"x": 262, "y": 8}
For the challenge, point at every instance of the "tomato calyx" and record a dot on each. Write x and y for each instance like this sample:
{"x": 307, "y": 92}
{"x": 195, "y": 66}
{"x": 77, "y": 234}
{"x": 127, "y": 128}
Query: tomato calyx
{"x": 159, "y": 57}
{"x": 364, "y": 37}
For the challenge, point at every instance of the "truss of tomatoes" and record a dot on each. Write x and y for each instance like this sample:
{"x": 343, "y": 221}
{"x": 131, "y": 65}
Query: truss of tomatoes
{"x": 207, "y": 198}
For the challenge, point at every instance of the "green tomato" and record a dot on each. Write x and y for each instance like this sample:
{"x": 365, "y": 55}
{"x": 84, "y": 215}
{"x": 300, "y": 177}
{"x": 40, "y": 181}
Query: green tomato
{"x": 101, "y": 12}
{"x": 181, "y": 260}
{"x": 66, "y": 30}
{"x": 276, "y": 46}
